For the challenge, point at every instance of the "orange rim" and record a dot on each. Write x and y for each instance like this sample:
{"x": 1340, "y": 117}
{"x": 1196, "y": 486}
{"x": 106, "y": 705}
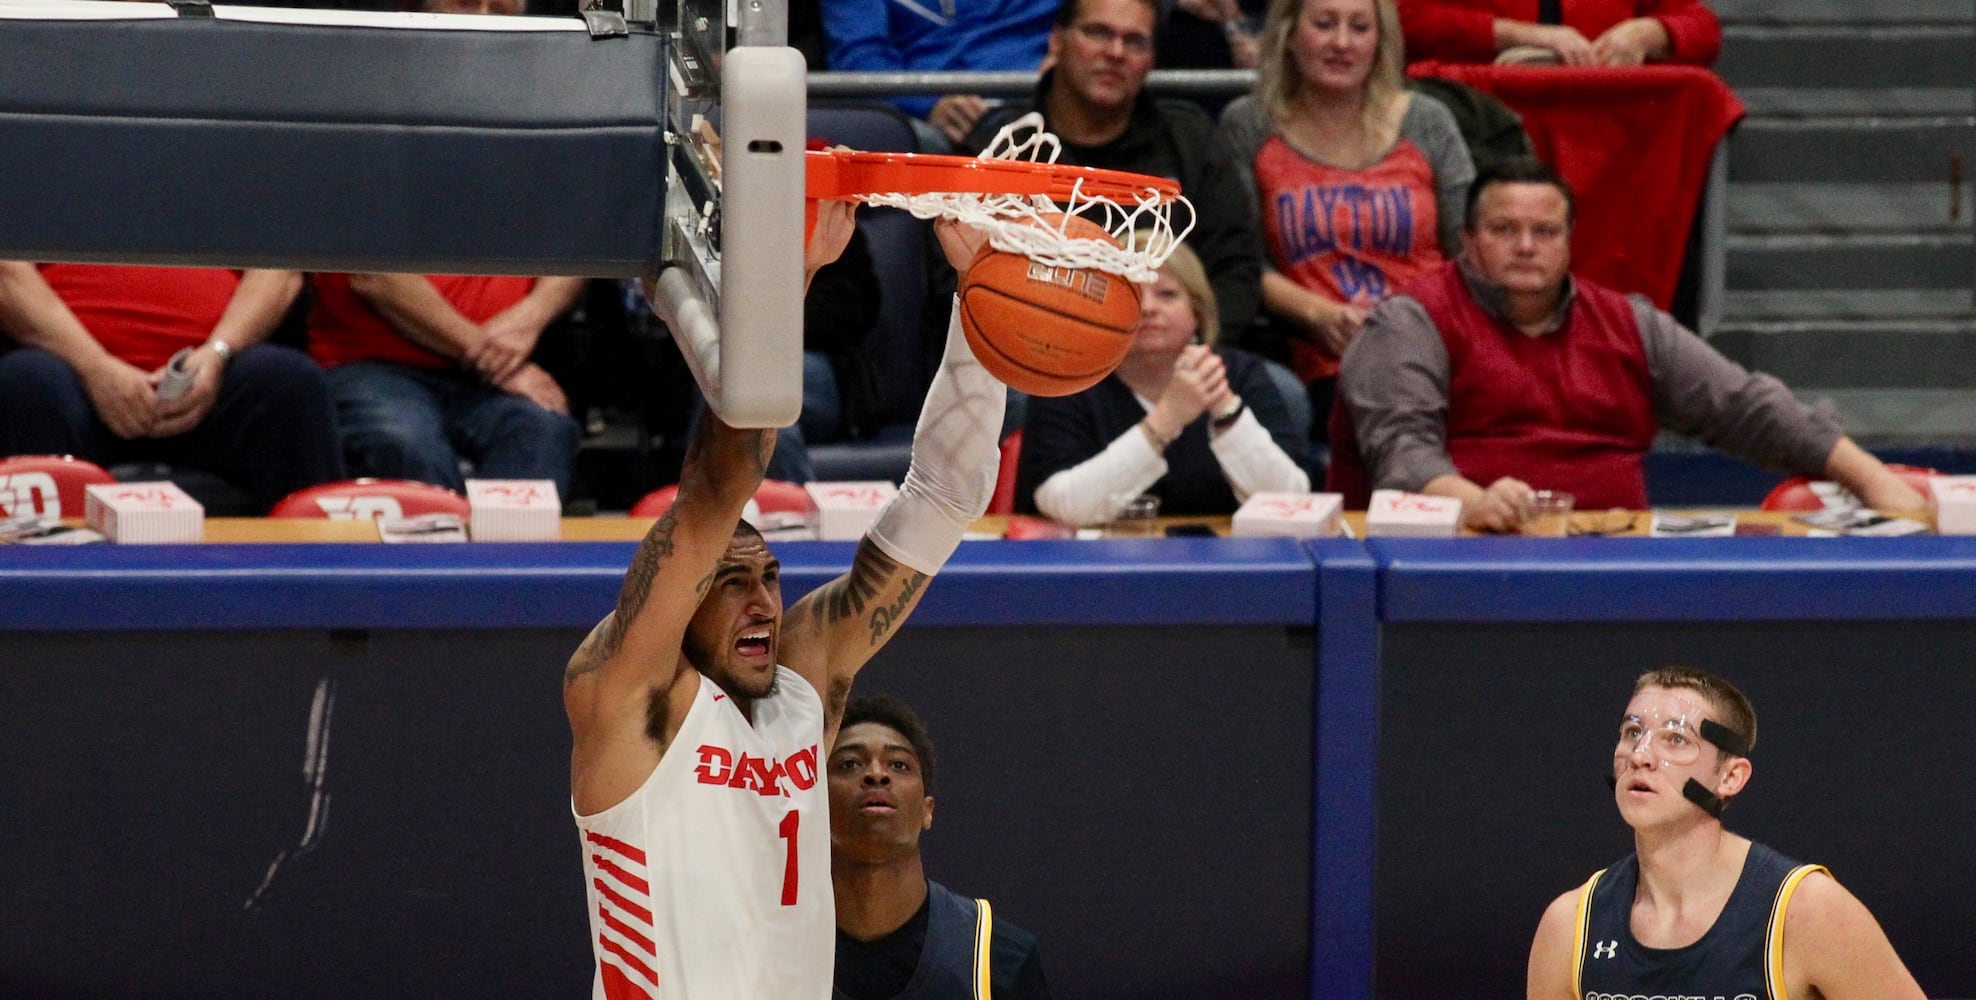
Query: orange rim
{"x": 846, "y": 173}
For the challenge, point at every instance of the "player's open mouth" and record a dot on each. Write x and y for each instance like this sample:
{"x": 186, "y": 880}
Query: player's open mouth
{"x": 877, "y": 805}
{"x": 1639, "y": 786}
{"x": 753, "y": 644}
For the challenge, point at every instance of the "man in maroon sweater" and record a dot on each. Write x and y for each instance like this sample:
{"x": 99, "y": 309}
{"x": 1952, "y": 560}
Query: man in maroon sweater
{"x": 1501, "y": 373}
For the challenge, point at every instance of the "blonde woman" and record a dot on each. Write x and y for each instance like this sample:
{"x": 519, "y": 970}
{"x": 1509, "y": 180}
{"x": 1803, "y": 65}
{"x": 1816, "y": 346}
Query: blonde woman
{"x": 1360, "y": 181}
{"x": 1198, "y": 426}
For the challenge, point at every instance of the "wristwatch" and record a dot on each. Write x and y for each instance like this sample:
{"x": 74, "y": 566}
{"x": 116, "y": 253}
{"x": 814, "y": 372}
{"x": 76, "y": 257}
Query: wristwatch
{"x": 1227, "y": 420}
{"x": 221, "y": 349}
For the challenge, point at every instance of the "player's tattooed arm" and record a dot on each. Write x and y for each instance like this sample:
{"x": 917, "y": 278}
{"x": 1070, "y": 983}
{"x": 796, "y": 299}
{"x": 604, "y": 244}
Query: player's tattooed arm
{"x": 837, "y": 628}
{"x": 655, "y": 549}
{"x": 635, "y": 650}
{"x": 589, "y": 656}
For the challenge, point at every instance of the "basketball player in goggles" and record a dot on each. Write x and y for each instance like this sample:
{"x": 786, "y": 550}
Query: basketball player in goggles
{"x": 1696, "y": 910}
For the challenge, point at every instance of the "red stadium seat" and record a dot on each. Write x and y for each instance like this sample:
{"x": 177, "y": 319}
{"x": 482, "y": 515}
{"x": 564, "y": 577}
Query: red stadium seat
{"x": 47, "y": 486}
{"x": 773, "y": 496}
{"x": 1796, "y": 492}
{"x": 350, "y": 499}
{"x": 1003, "y": 502}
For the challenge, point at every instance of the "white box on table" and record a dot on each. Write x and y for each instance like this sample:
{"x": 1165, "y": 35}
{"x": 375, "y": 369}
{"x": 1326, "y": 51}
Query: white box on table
{"x": 1298, "y": 515}
{"x": 514, "y": 510}
{"x": 844, "y": 510}
{"x": 1398, "y": 513}
{"x": 144, "y": 513}
{"x": 1954, "y": 501}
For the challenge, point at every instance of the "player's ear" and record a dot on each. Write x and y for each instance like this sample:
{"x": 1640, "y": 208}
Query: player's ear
{"x": 926, "y": 821}
{"x": 1735, "y": 777}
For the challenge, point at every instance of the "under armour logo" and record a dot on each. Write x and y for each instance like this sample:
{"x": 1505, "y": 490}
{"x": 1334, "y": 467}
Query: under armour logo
{"x": 1605, "y": 949}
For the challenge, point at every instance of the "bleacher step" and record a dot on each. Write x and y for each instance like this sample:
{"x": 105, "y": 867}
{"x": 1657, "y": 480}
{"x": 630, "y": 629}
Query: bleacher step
{"x": 1777, "y": 207}
{"x": 1863, "y": 354}
{"x": 1818, "y": 55}
{"x": 1826, "y": 102}
{"x": 1866, "y": 148}
{"x": 1919, "y": 260}
{"x": 1740, "y": 12}
{"x": 1741, "y": 305}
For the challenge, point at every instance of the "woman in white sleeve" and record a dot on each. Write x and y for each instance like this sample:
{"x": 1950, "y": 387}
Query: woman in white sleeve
{"x": 1200, "y": 427}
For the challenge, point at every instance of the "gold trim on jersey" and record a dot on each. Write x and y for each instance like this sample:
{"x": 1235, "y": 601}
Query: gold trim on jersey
{"x": 1773, "y": 936}
{"x": 984, "y": 935}
{"x": 1582, "y": 922}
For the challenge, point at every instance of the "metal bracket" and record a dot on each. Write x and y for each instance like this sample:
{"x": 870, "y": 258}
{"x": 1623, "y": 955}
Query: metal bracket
{"x": 602, "y": 23}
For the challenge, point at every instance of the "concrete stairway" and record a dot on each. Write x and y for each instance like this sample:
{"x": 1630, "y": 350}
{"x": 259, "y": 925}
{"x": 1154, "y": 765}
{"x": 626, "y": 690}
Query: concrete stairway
{"x": 1851, "y": 263}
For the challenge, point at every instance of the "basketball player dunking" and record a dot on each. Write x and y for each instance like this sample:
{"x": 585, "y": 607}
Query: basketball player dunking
{"x": 1696, "y": 910}
{"x": 701, "y": 712}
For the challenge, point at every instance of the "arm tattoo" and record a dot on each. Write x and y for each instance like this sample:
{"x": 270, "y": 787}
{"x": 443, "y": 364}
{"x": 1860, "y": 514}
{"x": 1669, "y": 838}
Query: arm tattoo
{"x": 577, "y": 670}
{"x": 638, "y": 580}
{"x": 882, "y": 619}
{"x": 870, "y": 568}
{"x": 588, "y": 659}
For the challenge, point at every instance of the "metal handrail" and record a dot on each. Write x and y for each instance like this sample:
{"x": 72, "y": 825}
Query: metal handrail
{"x": 1175, "y": 82}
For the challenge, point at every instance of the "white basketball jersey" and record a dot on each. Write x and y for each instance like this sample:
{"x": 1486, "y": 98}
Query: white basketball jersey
{"x": 712, "y": 881}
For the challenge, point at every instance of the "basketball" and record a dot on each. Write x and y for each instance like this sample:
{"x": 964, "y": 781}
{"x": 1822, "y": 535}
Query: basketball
{"x": 1047, "y": 331}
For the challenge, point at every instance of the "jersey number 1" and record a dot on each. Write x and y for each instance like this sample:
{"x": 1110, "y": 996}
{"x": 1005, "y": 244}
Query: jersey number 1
{"x": 787, "y": 829}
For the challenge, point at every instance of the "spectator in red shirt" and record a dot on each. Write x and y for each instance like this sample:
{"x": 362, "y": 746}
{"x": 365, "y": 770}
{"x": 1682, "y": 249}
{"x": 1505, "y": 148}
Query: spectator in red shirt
{"x": 1357, "y": 178}
{"x": 92, "y": 343}
{"x": 1578, "y": 33}
{"x": 427, "y": 370}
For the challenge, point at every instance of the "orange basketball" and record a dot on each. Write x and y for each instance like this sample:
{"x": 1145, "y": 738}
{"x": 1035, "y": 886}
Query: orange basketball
{"x": 1047, "y": 331}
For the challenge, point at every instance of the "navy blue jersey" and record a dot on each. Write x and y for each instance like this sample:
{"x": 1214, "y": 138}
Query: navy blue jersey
{"x": 1741, "y": 957}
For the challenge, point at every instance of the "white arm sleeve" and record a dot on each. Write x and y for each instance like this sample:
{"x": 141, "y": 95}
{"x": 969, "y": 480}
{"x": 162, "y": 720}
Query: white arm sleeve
{"x": 1095, "y": 490}
{"x": 956, "y": 449}
{"x": 1253, "y": 462}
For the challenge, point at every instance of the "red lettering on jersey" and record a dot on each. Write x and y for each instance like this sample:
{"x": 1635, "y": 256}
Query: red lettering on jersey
{"x": 759, "y": 774}
{"x": 715, "y": 765}
{"x": 802, "y": 768}
{"x": 762, "y": 775}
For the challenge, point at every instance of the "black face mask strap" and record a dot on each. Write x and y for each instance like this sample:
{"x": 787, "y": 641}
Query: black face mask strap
{"x": 1731, "y": 742}
{"x": 1699, "y": 794}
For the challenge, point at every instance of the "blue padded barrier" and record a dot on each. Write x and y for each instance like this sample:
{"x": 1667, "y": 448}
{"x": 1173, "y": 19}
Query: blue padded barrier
{"x": 330, "y": 147}
{"x": 493, "y": 585}
{"x": 1689, "y": 579}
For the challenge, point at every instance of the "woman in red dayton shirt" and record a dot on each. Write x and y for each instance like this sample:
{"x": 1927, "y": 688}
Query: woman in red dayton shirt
{"x": 1579, "y": 32}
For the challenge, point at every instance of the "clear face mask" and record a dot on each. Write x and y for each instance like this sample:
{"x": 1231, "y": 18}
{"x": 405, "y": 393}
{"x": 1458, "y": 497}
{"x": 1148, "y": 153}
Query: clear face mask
{"x": 1668, "y": 739}
{"x": 1674, "y": 736}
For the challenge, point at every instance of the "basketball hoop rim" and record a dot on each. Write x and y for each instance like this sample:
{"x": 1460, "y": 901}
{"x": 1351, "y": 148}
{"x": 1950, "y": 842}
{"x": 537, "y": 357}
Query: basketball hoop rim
{"x": 844, "y": 174}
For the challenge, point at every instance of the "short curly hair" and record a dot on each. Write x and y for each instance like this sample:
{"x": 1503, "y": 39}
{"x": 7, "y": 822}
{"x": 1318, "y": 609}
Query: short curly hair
{"x": 896, "y": 715}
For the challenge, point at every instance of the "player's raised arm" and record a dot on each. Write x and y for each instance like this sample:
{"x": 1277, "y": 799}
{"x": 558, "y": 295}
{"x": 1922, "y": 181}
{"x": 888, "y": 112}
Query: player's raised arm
{"x": 617, "y": 683}
{"x": 837, "y": 628}
{"x": 633, "y": 656}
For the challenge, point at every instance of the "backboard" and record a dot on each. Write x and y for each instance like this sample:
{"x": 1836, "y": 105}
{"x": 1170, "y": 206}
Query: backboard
{"x": 730, "y": 283}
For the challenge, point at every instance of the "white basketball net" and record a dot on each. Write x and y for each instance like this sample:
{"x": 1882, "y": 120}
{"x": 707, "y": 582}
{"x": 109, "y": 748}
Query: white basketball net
{"x": 1035, "y": 226}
